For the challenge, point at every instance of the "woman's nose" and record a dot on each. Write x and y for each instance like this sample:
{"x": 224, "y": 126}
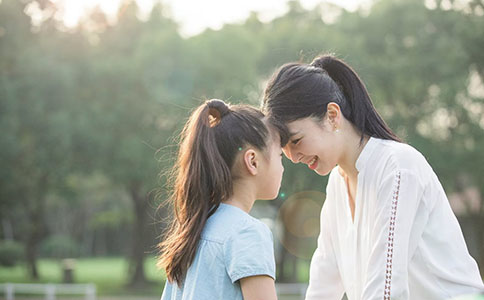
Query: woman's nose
{"x": 290, "y": 154}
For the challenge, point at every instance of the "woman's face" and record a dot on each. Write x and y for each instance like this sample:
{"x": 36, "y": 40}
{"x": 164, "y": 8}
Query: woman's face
{"x": 314, "y": 143}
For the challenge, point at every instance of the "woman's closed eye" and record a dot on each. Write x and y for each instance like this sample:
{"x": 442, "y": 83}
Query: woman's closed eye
{"x": 294, "y": 142}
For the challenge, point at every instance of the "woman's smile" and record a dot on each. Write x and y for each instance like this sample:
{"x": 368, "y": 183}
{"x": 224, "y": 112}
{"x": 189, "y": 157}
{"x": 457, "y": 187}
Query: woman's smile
{"x": 313, "y": 163}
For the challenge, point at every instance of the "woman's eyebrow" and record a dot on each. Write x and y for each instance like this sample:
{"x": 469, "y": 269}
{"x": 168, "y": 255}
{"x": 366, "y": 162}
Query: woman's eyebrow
{"x": 291, "y": 133}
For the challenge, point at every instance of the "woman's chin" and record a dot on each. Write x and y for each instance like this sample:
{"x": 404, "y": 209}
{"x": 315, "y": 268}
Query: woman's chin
{"x": 322, "y": 172}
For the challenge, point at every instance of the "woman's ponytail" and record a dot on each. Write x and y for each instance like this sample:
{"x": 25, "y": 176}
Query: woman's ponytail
{"x": 299, "y": 90}
{"x": 361, "y": 111}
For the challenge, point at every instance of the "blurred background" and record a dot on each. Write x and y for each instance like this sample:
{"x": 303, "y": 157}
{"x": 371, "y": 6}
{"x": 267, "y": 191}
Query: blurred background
{"x": 93, "y": 94}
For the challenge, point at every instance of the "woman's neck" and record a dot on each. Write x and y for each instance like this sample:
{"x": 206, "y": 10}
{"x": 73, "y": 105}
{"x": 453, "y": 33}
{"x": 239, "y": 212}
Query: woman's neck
{"x": 354, "y": 146}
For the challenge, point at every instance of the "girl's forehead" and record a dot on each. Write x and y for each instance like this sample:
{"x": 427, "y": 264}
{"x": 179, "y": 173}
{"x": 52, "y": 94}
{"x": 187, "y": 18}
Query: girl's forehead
{"x": 274, "y": 136}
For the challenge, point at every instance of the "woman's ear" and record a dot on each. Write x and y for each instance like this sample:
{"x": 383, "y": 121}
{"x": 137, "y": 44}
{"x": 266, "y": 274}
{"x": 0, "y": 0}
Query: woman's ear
{"x": 251, "y": 162}
{"x": 333, "y": 113}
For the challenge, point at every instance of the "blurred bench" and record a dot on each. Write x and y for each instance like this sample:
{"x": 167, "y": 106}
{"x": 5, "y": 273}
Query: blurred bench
{"x": 49, "y": 290}
{"x": 296, "y": 289}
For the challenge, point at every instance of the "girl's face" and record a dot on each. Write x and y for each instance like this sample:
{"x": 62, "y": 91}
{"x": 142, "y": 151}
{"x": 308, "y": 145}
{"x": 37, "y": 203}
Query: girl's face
{"x": 314, "y": 143}
{"x": 271, "y": 171}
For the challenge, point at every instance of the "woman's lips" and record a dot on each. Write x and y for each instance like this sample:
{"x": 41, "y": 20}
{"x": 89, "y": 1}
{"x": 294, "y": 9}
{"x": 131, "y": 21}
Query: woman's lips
{"x": 313, "y": 163}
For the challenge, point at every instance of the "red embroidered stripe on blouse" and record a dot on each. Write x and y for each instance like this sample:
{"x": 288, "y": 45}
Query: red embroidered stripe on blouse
{"x": 391, "y": 232}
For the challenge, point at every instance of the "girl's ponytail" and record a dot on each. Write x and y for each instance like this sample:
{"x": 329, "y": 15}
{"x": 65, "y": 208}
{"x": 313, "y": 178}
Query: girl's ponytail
{"x": 202, "y": 181}
{"x": 202, "y": 176}
{"x": 361, "y": 111}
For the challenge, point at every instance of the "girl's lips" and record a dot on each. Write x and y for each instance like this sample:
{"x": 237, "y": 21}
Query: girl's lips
{"x": 313, "y": 163}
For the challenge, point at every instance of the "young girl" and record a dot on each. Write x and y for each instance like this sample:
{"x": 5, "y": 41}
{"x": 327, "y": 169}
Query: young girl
{"x": 227, "y": 159}
{"x": 387, "y": 229}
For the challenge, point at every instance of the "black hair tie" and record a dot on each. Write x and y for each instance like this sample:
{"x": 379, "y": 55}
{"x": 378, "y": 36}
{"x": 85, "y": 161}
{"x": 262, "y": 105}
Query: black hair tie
{"x": 322, "y": 61}
{"x": 217, "y": 109}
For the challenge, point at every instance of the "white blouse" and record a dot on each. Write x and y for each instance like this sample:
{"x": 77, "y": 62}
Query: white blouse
{"x": 405, "y": 241}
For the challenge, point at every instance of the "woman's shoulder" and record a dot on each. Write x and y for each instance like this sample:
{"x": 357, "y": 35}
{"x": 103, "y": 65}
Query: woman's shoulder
{"x": 400, "y": 155}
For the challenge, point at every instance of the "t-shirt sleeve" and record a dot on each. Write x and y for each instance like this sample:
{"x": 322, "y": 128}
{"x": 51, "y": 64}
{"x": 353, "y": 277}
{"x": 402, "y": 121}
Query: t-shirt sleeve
{"x": 250, "y": 252}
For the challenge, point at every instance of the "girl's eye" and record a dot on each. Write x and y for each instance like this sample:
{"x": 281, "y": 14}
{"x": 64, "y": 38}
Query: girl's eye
{"x": 294, "y": 142}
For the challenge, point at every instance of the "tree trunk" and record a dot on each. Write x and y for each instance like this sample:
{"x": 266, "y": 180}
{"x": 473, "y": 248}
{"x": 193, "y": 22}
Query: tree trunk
{"x": 287, "y": 267}
{"x": 140, "y": 202}
{"x": 31, "y": 253}
{"x": 36, "y": 232}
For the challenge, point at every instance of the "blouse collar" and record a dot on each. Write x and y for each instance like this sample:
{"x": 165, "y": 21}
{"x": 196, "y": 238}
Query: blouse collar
{"x": 365, "y": 154}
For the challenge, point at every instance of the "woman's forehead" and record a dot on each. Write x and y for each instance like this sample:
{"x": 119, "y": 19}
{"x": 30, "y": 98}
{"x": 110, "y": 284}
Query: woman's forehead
{"x": 298, "y": 126}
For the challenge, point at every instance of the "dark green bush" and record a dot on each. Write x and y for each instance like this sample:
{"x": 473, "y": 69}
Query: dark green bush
{"x": 59, "y": 246}
{"x": 10, "y": 253}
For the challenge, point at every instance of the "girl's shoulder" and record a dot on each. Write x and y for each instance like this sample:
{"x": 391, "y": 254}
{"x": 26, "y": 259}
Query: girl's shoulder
{"x": 229, "y": 221}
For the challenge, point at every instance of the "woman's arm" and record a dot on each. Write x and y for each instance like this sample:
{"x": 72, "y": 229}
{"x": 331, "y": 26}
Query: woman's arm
{"x": 324, "y": 277}
{"x": 260, "y": 287}
{"x": 400, "y": 218}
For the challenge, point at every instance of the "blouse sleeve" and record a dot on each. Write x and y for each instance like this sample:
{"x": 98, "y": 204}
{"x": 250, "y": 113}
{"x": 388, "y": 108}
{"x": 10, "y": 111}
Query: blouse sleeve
{"x": 398, "y": 202}
{"x": 324, "y": 277}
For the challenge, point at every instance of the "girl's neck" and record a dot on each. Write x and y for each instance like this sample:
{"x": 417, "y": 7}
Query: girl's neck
{"x": 243, "y": 196}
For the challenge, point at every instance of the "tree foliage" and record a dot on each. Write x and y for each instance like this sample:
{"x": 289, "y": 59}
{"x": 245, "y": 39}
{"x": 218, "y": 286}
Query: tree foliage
{"x": 90, "y": 115}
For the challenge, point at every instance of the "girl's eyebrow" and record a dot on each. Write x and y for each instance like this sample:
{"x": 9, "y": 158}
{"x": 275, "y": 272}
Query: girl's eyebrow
{"x": 291, "y": 134}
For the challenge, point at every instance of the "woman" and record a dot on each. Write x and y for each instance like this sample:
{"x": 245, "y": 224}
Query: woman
{"x": 387, "y": 229}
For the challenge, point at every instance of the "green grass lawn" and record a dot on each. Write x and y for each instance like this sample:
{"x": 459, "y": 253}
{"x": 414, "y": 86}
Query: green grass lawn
{"x": 110, "y": 274}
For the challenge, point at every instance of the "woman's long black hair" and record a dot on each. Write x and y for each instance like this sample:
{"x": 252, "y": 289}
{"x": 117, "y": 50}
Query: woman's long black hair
{"x": 298, "y": 90}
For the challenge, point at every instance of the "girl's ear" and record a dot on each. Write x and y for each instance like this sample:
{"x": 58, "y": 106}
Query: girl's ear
{"x": 333, "y": 113}
{"x": 251, "y": 162}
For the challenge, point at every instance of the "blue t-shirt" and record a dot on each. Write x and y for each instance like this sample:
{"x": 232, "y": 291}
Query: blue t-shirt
{"x": 233, "y": 245}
